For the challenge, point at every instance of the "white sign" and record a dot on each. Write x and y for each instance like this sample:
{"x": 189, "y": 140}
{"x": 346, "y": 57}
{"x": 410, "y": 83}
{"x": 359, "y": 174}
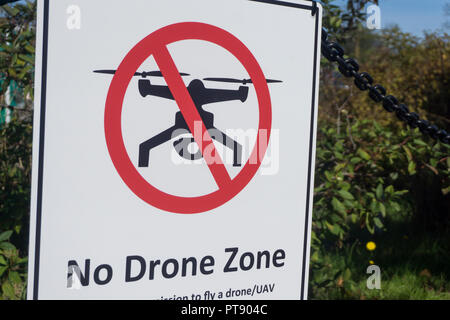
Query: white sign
{"x": 174, "y": 149}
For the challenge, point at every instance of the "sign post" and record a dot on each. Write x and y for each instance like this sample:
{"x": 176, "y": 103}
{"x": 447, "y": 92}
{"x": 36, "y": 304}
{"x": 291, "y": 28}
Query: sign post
{"x": 174, "y": 149}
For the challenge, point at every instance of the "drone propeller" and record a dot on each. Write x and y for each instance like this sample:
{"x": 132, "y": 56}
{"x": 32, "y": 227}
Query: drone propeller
{"x": 140, "y": 74}
{"x": 244, "y": 81}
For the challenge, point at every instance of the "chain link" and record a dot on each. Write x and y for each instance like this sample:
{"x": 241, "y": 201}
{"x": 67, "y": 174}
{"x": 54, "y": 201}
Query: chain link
{"x": 350, "y": 68}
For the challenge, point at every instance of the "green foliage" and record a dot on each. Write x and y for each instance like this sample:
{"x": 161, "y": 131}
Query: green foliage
{"x": 364, "y": 178}
{"x": 17, "y": 48}
{"x": 353, "y": 187}
{"x": 415, "y": 70}
{"x": 12, "y": 270}
{"x": 371, "y": 169}
{"x": 15, "y": 171}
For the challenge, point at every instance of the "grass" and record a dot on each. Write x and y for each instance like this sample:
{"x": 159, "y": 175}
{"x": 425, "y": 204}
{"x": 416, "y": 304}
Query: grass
{"x": 414, "y": 266}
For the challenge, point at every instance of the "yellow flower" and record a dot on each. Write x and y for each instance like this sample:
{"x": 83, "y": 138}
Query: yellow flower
{"x": 371, "y": 262}
{"x": 371, "y": 245}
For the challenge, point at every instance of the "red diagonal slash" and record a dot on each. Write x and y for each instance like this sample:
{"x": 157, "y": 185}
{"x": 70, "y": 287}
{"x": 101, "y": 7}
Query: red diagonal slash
{"x": 191, "y": 115}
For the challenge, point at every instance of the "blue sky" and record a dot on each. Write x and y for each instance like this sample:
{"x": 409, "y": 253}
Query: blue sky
{"x": 414, "y": 16}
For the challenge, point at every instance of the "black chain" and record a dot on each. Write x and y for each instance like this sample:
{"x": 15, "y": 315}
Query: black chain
{"x": 350, "y": 68}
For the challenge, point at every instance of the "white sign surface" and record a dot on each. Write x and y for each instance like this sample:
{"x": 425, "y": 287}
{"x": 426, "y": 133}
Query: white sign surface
{"x": 173, "y": 149}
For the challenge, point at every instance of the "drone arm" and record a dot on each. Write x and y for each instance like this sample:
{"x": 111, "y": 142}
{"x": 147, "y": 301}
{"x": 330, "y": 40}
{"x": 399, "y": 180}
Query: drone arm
{"x": 148, "y": 89}
{"x": 221, "y": 95}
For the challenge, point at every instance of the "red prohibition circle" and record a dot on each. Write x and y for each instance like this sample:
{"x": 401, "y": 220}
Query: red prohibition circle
{"x": 113, "y": 115}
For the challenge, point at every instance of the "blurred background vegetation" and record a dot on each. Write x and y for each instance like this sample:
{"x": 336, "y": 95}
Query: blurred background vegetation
{"x": 376, "y": 180}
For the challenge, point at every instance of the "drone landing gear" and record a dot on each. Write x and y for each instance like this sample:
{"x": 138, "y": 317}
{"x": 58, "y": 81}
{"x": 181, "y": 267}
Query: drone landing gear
{"x": 181, "y": 146}
{"x": 145, "y": 147}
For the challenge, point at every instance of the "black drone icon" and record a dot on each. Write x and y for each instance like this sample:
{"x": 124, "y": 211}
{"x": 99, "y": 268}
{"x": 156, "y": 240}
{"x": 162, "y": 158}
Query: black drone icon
{"x": 200, "y": 96}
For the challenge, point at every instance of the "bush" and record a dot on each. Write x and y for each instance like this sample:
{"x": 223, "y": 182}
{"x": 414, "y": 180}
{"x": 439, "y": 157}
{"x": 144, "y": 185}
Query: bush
{"x": 15, "y": 172}
{"x": 12, "y": 270}
{"x": 367, "y": 175}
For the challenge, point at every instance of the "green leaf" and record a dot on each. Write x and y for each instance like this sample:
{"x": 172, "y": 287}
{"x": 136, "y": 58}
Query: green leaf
{"x": 401, "y": 192}
{"x": 368, "y": 225}
{"x": 2, "y": 270}
{"x": 420, "y": 143}
{"x": 17, "y": 228}
{"x": 347, "y": 274}
{"x": 434, "y": 162}
{"x": 363, "y": 154}
{"x": 12, "y": 72}
{"x": 408, "y": 153}
{"x": 5, "y": 235}
{"x": 7, "y": 246}
{"x": 315, "y": 256}
{"x": 338, "y": 155}
{"x": 3, "y": 261}
{"x": 382, "y": 209}
{"x": 412, "y": 168}
{"x": 355, "y": 160}
{"x": 14, "y": 277}
{"x": 338, "y": 206}
{"x": 22, "y": 260}
{"x": 395, "y": 206}
{"x": 8, "y": 290}
{"x": 389, "y": 189}
{"x": 329, "y": 176}
{"x": 346, "y": 195}
{"x": 394, "y": 175}
{"x": 30, "y": 48}
{"x": 379, "y": 192}
{"x": 354, "y": 218}
{"x": 374, "y": 206}
{"x": 378, "y": 223}
{"x": 331, "y": 228}
{"x": 26, "y": 58}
